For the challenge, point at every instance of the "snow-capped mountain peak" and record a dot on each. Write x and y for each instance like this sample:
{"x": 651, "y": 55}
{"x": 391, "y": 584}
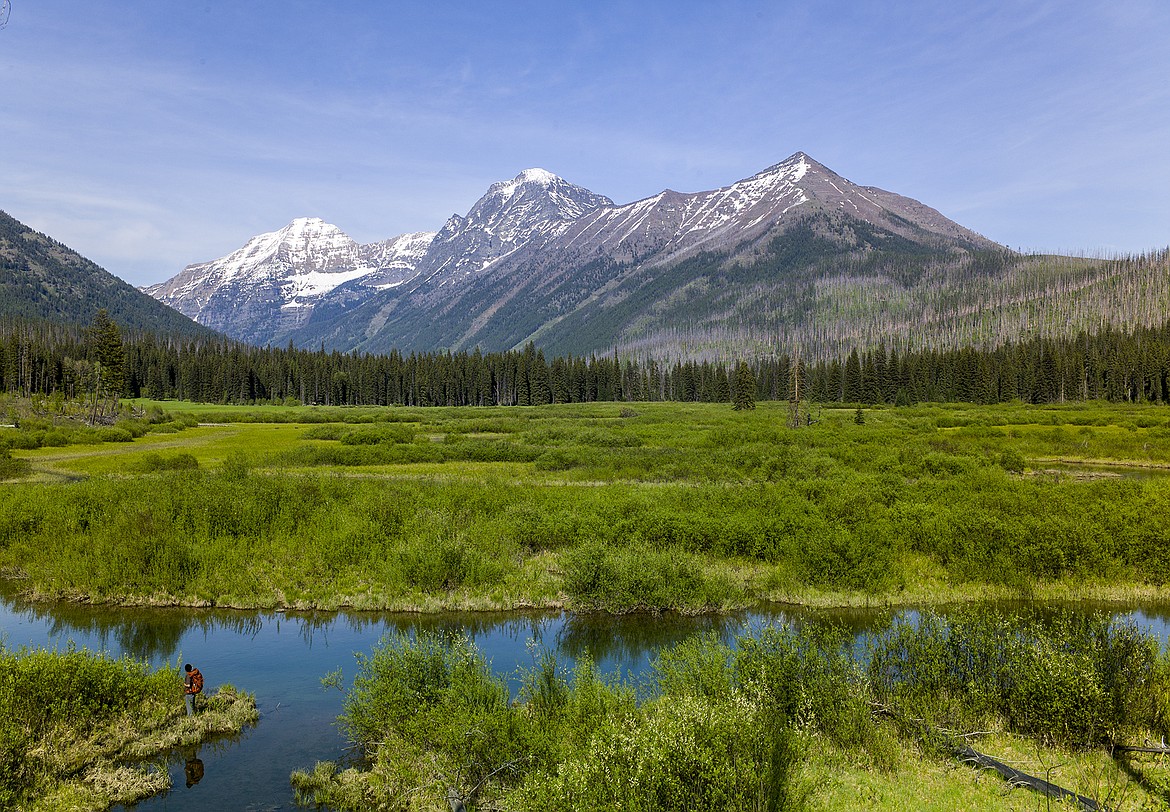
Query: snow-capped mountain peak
{"x": 534, "y": 196}
{"x": 511, "y": 214}
{"x": 306, "y": 242}
{"x": 534, "y": 176}
{"x": 275, "y": 278}
{"x": 527, "y": 236}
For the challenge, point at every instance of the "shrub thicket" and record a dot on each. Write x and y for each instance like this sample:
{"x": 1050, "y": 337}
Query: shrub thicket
{"x": 729, "y": 725}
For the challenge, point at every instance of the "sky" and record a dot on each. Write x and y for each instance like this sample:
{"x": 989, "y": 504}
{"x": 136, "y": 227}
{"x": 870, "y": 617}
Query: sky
{"x": 149, "y": 135}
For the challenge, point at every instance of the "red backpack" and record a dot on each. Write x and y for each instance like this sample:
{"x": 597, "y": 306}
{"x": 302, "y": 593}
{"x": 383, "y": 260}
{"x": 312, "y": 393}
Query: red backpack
{"x": 196, "y": 681}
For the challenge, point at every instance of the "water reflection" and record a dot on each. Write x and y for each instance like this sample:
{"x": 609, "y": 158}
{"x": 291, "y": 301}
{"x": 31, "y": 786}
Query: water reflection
{"x": 152, "y": 634}
{"x": 193, "y": 768}
{"x": 627, "y": 640}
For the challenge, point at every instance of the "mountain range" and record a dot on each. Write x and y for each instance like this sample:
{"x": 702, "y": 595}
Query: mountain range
{"x": 794, "y": 257}
{"x": 540, "y": 259}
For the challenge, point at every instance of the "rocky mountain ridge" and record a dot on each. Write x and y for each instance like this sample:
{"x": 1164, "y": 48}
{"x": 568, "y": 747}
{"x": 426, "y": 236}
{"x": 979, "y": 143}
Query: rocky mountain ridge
{"x": 534, "y": 254}
{"x": 269, "y": 286}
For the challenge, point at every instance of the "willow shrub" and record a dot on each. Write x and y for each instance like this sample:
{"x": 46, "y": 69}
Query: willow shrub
{"x": 434, "y": 720}
{"x": 1068, "y": 680}
{"x": 245, "y": 536}
{"x": 630, "y": 578}
{"x": 12, "y": 468}
{"x": 432, "y": 703}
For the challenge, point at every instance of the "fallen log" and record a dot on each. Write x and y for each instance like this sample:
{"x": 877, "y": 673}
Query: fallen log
{"x": 1158, "y": 749}
{"x": 1020, "y": 779}
{"x": 966, "y": 753}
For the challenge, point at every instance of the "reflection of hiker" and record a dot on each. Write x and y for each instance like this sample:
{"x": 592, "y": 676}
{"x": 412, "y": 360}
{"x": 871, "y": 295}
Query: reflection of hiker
{"x": 194, "y": 768}
{"x": 192, "y": 685}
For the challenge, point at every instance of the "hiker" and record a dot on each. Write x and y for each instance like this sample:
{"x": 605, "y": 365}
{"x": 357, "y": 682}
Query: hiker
{"x": 192, "y": 685}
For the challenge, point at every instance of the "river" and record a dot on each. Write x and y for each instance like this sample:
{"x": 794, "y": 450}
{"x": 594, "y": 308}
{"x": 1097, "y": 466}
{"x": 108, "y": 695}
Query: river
{"x": 282, "y": 657}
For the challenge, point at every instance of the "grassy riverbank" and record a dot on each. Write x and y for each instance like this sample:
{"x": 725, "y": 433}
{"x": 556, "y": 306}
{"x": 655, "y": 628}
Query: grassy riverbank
{"x": 82, "y": 731}
{"x": 785, "y": 718}
{"x": 690, "y": 507}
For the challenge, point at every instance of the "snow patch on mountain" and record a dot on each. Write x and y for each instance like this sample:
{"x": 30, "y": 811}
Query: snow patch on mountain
{"x": 279, "y": 276}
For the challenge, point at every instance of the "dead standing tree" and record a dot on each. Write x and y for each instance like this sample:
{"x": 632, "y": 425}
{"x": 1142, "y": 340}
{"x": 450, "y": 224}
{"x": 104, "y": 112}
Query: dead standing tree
{"x": 794, "y": 390}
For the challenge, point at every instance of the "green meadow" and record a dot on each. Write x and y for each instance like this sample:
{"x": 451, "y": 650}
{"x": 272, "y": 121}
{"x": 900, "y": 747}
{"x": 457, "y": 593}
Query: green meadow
{"x": 604, "y": 506}
{"x": 631, "y": 507}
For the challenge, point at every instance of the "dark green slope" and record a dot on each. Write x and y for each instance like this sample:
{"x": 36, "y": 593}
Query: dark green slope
{"x": 727, "y": 292}
{"x": 42, "y": 279}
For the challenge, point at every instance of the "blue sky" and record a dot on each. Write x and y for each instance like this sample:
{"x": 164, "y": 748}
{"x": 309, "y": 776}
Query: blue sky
{"x": 149, "y": 135}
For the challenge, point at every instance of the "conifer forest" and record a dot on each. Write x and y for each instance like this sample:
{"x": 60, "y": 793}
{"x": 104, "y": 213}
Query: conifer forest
{"x": 45, "y": 359}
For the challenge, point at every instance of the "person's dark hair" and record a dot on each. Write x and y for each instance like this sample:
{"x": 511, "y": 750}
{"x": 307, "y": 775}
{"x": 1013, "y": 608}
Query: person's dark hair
{"x": 187, "y": 667}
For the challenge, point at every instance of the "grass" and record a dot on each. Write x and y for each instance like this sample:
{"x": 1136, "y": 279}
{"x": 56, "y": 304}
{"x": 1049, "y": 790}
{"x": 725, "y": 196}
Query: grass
{"x": 693, "y": 507}
{"x": 925, "y": 784}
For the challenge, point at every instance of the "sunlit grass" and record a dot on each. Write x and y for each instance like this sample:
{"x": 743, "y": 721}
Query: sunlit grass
{"x": 420, "y": 508}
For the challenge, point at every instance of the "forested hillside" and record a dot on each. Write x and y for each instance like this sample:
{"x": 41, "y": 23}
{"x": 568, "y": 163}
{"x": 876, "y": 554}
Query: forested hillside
{"x": 828, "y": 294}
{"x": 42, "y": 279}
{"x": 41, "y": 358}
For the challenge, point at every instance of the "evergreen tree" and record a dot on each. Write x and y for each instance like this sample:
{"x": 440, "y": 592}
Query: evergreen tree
{"x": 109, "y": 360}
{"x": 743, "y": 387}
{"x": 853, "y": 386}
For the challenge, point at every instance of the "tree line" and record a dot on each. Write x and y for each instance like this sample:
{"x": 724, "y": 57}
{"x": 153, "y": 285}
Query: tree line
{"x": 49, "y": 359}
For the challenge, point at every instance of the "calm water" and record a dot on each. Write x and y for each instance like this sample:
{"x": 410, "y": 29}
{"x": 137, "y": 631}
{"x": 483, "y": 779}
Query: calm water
{"x": 282, "y": 658}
